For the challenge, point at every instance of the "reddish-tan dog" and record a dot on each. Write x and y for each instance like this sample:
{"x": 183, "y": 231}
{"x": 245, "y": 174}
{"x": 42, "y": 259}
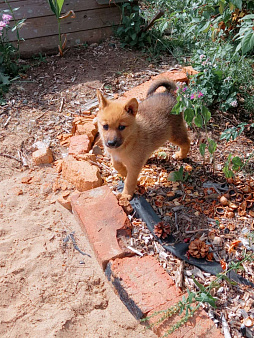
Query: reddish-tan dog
{"x": 131, "y": 132}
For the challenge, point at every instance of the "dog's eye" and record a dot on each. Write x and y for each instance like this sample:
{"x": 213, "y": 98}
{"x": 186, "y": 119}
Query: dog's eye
{"x": 105, "y": 126}
{"x": 121, "y": 127}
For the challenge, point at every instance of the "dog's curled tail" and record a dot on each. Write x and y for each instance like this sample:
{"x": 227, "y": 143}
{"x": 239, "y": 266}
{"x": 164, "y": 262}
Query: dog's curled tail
{"x": 168, "y": 84}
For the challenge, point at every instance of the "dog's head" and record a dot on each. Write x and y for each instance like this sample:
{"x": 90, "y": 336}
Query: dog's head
{"x": 115, "y": 120}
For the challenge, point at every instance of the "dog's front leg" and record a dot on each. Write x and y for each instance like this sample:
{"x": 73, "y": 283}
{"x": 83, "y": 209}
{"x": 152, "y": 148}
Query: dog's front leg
{"x": 119, "y": 166}
{"x": 130, "y": 182}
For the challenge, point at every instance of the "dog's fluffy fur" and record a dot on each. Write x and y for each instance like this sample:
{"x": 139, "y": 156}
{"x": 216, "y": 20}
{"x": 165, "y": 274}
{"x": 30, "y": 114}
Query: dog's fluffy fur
{"x": 131, "y": 132}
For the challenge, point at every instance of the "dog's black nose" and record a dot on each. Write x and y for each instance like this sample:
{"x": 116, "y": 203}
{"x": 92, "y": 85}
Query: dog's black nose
{"x": 112, "y": 143}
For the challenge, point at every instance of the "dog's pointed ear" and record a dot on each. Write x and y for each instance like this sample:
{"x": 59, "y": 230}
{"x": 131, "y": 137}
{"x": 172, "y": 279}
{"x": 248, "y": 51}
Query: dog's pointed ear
{"x": 103, "y": 102}
{"x": 132, "y": 106}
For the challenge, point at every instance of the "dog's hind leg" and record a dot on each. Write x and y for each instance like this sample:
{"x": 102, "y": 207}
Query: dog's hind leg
{"x": 182, "y": 140}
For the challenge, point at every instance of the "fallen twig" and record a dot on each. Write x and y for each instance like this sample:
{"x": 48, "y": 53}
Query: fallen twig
{"x": 194, "y": 231}
{"x": 61, "y": 106}
{"x": 225, "y": 327}
{"x": 11, "y": 157}
{"x": 135, "y": 251}
{"x": 180, "y": 275}
{"x": 101, "y": 166}
{"x": 7, "y": 121}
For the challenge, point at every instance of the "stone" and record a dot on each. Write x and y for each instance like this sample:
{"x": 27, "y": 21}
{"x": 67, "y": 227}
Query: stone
{"x": 42, "y": 156}
{"x": 189, "y": 70}
{"x": 144, "y": 283}
{"x": 97, "y": 150}
{"x": 101, "y": 218}
{"x": 81, "y": 174}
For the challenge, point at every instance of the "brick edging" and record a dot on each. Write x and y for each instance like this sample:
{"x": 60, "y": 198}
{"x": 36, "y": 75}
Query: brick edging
{"x": 141, "y": 283}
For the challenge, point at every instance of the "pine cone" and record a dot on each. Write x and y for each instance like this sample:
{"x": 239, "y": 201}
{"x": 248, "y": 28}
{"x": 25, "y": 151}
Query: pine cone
{"x": 162, "y": 230}
{"x": 198, "y": 249}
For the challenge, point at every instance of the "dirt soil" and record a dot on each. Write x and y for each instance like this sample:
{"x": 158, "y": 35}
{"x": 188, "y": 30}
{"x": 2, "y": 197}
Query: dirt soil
{"x": 46, "y": 286}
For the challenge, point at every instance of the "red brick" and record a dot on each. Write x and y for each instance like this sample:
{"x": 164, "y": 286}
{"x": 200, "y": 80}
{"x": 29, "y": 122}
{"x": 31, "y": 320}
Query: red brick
{"x": 140, "y": 91}
{"x": 82, "y": 174}
{"x": 144, "y": 281}
{"x": 101, "y": 218}
{"x": 144, "y": 287}
{"x": 79, "y": 144}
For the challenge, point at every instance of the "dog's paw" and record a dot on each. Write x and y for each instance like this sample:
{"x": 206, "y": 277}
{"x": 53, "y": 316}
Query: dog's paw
{"x": 125, "y": 204}
{"x": 178, "y": 156}
{"x": 125, "y": 197}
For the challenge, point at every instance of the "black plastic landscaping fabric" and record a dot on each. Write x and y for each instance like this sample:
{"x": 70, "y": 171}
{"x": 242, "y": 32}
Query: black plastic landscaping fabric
{"x": 144, "y": 211}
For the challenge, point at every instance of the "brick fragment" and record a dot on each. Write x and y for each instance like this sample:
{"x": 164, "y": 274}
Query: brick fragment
{"x": 42, "y": 156}
{"x": 145, "y": 288}
{"x": 140, "y": 91}
{"x": 189, "y": 70}
{"x": 82, "y": 174}
{"x": 79, "y": 144}
{"x": 84, "y": 125}
{"x": 101, "y": 218}
{"x": 65, "y": 200}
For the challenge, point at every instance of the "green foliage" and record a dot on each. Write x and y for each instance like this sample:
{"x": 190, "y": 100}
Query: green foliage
{"x": 9, "y": 55}
{"x": 178, "y": 176}
{"x": 130, "y": 32}
{"x": 56, "y": 7}
{"x": 234, "y": 132}
{"x": 232, "y": 165}
{"x": 246, "y": 34}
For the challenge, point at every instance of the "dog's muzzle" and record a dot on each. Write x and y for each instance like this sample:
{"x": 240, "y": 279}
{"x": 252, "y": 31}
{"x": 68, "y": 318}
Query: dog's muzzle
{"x": 113, "y": 143}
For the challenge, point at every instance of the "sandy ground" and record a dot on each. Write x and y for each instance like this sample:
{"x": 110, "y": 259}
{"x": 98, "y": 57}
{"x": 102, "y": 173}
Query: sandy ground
{"x": 48, "y": 288}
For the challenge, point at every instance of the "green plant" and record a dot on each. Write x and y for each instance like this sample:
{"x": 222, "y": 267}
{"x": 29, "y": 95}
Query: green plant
{"x": 134, "y": 31}
{"x": 56, "y": 7}
{"x": 9, "y": 55}
{"x": 191, "y": 103}
{"x": 130, "y": 32}
{"x": 234, "y": 132}
{"x": 232, "y": 165}
{"x": 178, "y": 176}
{"x": 246, "y": 35}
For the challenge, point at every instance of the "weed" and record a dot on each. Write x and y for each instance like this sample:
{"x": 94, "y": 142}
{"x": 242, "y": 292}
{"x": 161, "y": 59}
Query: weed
{"x": 178, "y": 176}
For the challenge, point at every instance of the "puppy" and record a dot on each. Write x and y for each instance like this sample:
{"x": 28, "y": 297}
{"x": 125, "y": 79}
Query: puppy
{"x": 131, "y": 132}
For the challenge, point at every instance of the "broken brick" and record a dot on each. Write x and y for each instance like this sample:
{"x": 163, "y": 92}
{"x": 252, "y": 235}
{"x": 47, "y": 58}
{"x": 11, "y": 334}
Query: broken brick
{"x": 101, "y": 218}
{"x": 81, "y": 174}
{"x": 79, "y": 144}
{"x": 84, "y": 125}
{"x": 145, "y": 288}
